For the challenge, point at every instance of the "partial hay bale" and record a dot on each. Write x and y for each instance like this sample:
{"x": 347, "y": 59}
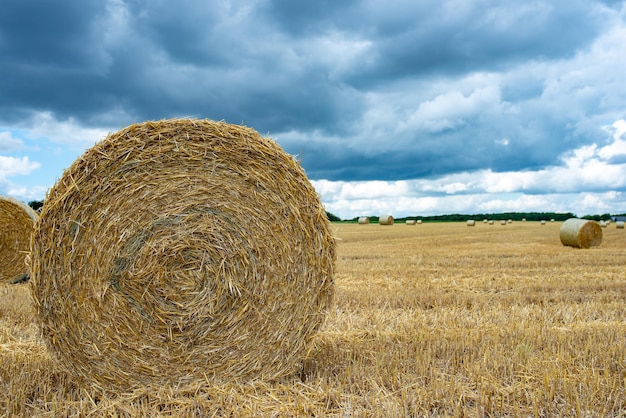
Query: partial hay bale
{"x": 471, "y": 222}
{"x": 17, "y": 223}
{"x": 179, "y": 252}
{"x": 410, "y": 222}
{"x": 364, "y": 220}
{"x": 580, "y": 233}
{"x": 619, "y": 224}
{"x": 385, "y": 220}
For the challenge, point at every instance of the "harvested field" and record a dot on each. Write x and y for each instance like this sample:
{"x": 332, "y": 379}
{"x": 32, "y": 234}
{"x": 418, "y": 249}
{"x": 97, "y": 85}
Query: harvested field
{"x": 442, "y": 320}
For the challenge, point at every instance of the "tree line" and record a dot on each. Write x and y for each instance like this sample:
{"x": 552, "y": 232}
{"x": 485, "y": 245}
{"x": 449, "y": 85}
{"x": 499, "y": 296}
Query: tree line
{"x": 504, "y": 216}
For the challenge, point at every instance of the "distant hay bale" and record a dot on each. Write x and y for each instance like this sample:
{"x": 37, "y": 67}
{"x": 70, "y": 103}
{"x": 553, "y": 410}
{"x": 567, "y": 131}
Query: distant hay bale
{"x": 580, "y": 233}
{"x": 385, "y": 220}
{"x": 178, "y": 252}
{"x": 503, "y": 222}
{"x": 17, "y": 223}
{"x": 485, "y": 221}
{"x": 471, "y": 222}
{"x": 619, "y": 224}
{"x": 543, "y": 222}
{"x": 364, "y": 220}
{"x": 419, "y": 221}
{"x": 410, "y": 222}
{"x": 490, "y": 222}
{"x": 603, "y": 224}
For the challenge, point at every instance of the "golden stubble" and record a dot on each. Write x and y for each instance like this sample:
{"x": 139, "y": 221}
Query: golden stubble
{"x": 428, "y": 320}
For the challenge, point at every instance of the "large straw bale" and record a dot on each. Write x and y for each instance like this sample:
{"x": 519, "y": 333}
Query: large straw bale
{"x": 385, "y": 220}
{"x": 619, "y": 224}
{"x": 580, "y": 233}
{"x": 17, "y": 223}
{"x": 364, "y": 220}
{"x": 182, "y": 251}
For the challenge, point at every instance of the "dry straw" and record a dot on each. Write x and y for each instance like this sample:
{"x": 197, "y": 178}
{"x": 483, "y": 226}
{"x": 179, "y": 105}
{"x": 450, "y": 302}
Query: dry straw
{"x": 385, "y": 220}
{"x": 182, "y": 251}
{"x": 619, "y": 224}
{"x": 411, "y": 222}
{"x": 580, "y": 233}
{"x": 364, "y": 220}
{"x": 471, "y": 222}
{"x": 17, "y": 222}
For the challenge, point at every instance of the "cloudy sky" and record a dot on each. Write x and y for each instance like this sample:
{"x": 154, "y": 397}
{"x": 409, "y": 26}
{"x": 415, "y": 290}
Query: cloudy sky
{"x": 394, "y": 106}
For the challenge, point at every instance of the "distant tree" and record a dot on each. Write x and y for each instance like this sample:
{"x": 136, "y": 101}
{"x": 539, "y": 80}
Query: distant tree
{"x": 332, "y": 217}
{"x": 35, "y": 204}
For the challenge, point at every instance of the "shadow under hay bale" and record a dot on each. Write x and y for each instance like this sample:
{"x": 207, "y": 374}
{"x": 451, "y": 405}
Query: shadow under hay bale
{"x": 17, "y": 223}
{"x": 182, "y": 251}
{"x": 581, "y": 233}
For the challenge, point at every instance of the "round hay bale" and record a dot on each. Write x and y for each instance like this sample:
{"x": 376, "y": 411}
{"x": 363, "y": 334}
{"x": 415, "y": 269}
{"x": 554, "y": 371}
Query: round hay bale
{"x": 419, "y": 221}
{"x": 543, "y": 222}
{"x": 619, "y": 224}
{"x": 603, "y": 224}
{"x": 182, "y": 251}
{"x": 502, "y": 222}
{"x": 17, "y": 223}
{"x": 364, "y": 220}
{"x": 411, "y": 222}
{"x": 490, "y": 222}
{"x": 471, "y": 222}
{"x": 580, "y": 233}
{"x": 385, "y": 220}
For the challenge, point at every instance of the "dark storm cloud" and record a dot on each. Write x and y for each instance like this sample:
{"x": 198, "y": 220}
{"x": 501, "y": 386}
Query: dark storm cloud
{"x": 369, "y": 90}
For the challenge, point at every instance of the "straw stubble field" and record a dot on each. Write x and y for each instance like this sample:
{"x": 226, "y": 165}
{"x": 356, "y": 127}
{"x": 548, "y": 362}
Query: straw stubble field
{"x": 428, "y": 320}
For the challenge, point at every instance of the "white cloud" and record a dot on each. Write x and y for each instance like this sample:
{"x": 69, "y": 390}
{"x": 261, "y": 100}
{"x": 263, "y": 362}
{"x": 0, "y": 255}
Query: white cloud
{"x": 11, "y": 166}
{"x": 618, "y": 146}
{"x": 452, "y": 109}
{"x": 70, "y": 131}
{"x": 8, "y": 142}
